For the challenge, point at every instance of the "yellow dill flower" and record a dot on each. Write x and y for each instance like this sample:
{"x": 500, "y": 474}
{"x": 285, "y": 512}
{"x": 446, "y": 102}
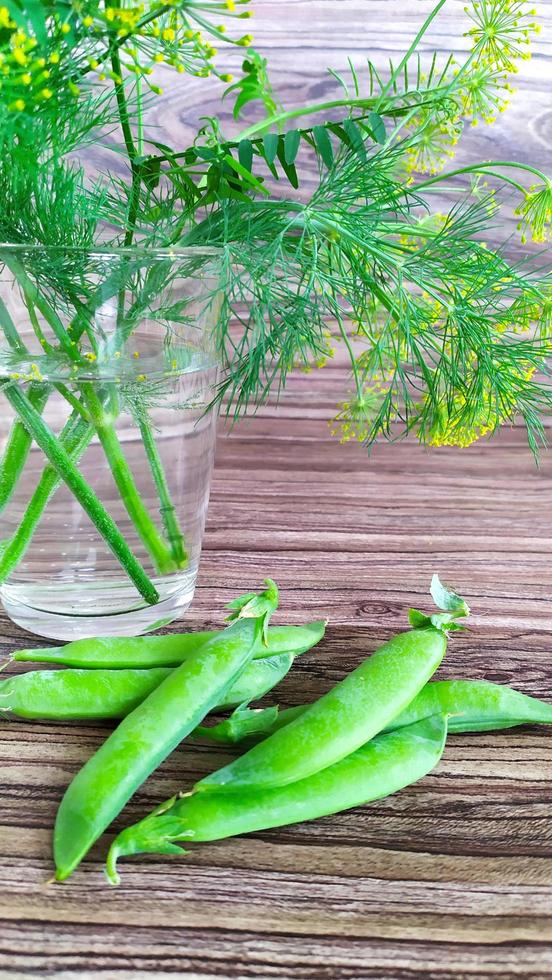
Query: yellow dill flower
{"x": 5, "y": 19}
{"x": 435, "y": 143}
{"x": 485, "y": 93}
{"x": 355, "y": 418}
{"x": 536, "y": 213}
{"x": 19, "y": 56}
{"x": 169, "y": 34}
{"x": 456, "y": 425}
{"x": 451, "y": 432}
{"x": 501, "y": 31}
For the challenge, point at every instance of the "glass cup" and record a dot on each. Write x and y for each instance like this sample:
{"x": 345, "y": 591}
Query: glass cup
{"x": 107, "y": 433}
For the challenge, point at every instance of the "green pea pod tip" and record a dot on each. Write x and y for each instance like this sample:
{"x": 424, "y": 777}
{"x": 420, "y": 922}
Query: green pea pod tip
{"x": 256, "y": 606}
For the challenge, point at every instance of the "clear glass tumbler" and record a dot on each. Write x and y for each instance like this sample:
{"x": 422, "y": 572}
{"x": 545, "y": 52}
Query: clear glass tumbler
{"x": 107, "y": 374}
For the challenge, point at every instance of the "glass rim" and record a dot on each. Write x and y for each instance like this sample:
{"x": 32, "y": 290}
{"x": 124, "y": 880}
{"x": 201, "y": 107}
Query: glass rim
{"x": 167, "y": 251}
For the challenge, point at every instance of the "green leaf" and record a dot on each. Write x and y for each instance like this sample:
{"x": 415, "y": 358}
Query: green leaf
{"x": 447, "y": 600}
{"x": 291, "y": 146}
{"x": 270, "y": 145}
{"x": 323, "y": 145}
{"x": 355, "y": 136}
{"x": 253, "y": 86}
{"x": 213, "y": 178}
{"x": 37, "y": 15}
{"x": 418, "y": 619}
{"x": 338, "y": 130}
{"x": 246, "y": 175}
{"x": 377, "y": 126}
{"x": 150, "y": 170}
{"x": 245, "y": 154}
{"x": 205, "y": 153}
{"x": 289, "y": 169}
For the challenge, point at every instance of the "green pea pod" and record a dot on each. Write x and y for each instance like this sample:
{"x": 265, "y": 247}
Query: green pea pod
{"x": 386, "y": 764}
{"x": 349, "y": 715}
{"x": 339, "y": 722}
{"x": 149, "y": 733}
{"x": 86, "y": 695}
{"x": 474, "y": 706}
{"x": 123, "y": 652}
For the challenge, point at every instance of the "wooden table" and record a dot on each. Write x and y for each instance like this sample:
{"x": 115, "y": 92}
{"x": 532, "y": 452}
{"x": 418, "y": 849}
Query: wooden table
{"x": 450, "y": 878}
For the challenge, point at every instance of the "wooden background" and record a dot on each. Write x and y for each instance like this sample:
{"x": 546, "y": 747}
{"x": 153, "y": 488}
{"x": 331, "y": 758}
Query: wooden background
{"x": 451, "y": 878}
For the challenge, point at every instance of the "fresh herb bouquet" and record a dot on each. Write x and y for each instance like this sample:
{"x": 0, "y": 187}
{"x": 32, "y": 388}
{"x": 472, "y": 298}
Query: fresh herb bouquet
{"x": 447, "y": 337}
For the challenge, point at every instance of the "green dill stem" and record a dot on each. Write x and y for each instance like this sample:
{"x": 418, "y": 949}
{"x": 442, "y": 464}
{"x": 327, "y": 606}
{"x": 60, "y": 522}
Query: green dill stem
{"x": 117, "y": 41}
{"x": 72, "y": 399}
{"x": 130, "y": 148}
{"x": 167, "y": 509}
{"x": 75, "y": 437}
{"x": 404, "y": 60}
{"x": 9, "y": 330}
{"x": 487, "y": 168}
{"x": 33, "y": 295}
{"x": 67, "y": 470}
{"x": 348, "y": 345}
{"x": 282, "y": 117}
{"x": 124, "y": 480}
{"x": 20, "y": 439}
{"x": 18, "y": 448}
{"x": 156, "y": 547}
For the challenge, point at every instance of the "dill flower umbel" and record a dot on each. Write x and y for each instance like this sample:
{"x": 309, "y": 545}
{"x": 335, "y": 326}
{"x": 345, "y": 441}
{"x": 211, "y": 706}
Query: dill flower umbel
{"x": 501, "y": 31}
{"x": 486, "y": 92}
{"x": 434, "y": 142}
{"x": 355, "y": 418}
{"x": 450, "y": 427}
{"x": 536, "y": 212}
{"x": 180, "y": 36}
{"x": 467, "y": 417}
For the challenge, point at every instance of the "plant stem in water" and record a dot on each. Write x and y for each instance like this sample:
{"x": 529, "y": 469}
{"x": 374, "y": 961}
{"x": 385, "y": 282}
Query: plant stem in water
{"x": 166, "y": 509}
{"x": 67, "y": 470}
{"x": 126, "y": 485}
{"x": 18, "y": 447}
{"x": 75, "y": 437}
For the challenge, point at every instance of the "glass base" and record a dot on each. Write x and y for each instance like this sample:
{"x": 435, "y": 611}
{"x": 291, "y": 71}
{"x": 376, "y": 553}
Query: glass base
{"x": 57, "y": 625}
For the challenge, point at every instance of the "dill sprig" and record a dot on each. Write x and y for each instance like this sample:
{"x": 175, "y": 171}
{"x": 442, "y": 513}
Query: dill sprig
{"x": 447, "y": 336}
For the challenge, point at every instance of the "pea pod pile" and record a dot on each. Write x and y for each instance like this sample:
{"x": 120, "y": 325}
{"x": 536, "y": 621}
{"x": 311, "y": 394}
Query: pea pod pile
{"x": 381, "y": 728}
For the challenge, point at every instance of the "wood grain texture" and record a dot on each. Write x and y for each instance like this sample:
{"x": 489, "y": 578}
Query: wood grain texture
{"x": 449, "y": 879}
